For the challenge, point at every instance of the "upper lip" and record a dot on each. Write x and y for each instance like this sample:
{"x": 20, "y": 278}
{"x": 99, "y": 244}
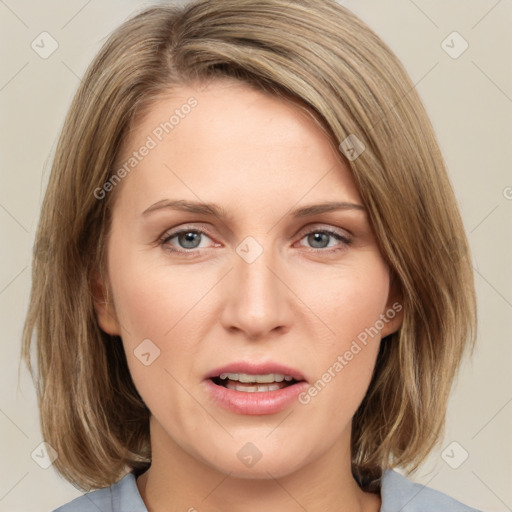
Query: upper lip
{"x": 252, "y": 368}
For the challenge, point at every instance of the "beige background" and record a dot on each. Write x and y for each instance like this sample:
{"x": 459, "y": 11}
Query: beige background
{"x": 470, "y": 102}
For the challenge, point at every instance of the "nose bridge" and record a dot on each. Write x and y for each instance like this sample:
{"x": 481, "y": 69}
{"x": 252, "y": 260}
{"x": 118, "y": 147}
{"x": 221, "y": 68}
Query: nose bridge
{"x": 255, "y": 277}
{"x": 256, "y": 303}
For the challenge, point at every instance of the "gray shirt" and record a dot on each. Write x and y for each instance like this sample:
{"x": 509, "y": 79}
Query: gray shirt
{"x": 398, "y": 494}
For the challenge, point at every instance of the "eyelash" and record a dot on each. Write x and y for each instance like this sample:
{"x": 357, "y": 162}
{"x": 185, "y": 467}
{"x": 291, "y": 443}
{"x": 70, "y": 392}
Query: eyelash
{"x": 165, "y": 239}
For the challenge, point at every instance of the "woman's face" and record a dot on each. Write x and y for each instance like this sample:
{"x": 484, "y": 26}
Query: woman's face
{"x": 265, "y": 286}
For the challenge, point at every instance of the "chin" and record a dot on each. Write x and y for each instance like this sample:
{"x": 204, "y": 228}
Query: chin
{"x": 244, "y": 460}
{"x": 278, "y": 468}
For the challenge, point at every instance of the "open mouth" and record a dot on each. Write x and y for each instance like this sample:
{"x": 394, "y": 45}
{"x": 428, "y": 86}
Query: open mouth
{"x": 254, "y": 383}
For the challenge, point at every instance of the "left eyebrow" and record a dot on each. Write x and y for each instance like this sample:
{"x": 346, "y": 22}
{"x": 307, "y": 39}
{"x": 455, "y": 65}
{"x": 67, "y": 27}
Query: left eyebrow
{"x": 215, "y": 210}
{"x": 316, "y": 209}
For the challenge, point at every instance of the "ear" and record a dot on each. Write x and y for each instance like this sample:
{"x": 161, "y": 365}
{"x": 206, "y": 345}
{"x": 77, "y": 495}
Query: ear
{"x": 104, "y": 307}
{"x": 394, "y": 312}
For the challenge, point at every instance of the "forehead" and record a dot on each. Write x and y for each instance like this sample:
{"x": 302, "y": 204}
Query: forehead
{"x": 229, "y": 138}
{"x": 229, "y": 110}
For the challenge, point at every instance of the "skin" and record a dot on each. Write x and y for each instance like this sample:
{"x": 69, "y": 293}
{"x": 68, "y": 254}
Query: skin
{"x": 299, "y": 303}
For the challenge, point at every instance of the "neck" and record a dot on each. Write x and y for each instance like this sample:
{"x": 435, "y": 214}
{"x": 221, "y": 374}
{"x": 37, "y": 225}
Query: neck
{"x": 178, "y": 481}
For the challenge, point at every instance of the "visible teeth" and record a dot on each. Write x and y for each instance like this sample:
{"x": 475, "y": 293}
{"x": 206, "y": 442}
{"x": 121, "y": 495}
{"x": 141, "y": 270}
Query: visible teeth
{"x": 254, "y": 389}
{"x": 260, "y": 379}
{"x": 232, "y": 376}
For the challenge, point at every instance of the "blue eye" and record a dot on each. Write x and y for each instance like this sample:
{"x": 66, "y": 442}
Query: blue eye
{"x": 188, "y": 240}
{"x": 319, "y": 239}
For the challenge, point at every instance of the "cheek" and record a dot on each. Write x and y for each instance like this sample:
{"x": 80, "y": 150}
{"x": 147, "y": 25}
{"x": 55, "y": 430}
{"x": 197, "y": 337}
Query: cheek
{"x": 152, "y": 299}
{"x": 161, "y": 310}
{"x": 354, "y": 299}
{"x": 154, "y": 305}
{"x": 350, "y": 299}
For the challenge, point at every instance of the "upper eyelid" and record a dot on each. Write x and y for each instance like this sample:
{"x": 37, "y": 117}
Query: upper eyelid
{"x": 315, "y": 225}
{"x": 173, "y": 232}
{"x": 324, "y": 227}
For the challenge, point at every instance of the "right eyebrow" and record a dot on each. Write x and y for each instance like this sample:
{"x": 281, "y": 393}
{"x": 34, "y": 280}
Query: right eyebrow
{"x": 187, "y": 206}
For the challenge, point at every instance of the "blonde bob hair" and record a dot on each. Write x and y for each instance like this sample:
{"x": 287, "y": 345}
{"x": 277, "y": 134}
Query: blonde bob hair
{"x": 320, "y": 55}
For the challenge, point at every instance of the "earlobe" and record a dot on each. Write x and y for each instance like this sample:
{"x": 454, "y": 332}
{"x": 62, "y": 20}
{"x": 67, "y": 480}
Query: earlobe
{"x": 392, "y": 317}
{"x": 104, "y": 307}
{"x": 394, "y": 312}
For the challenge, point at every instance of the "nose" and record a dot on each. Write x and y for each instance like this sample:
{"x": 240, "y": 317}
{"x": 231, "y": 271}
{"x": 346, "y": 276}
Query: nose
{"x": 257, "y": 300}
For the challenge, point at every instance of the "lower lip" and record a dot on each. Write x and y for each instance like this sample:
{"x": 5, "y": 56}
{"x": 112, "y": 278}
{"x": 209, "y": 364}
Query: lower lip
{"x": 259, "y": 402}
